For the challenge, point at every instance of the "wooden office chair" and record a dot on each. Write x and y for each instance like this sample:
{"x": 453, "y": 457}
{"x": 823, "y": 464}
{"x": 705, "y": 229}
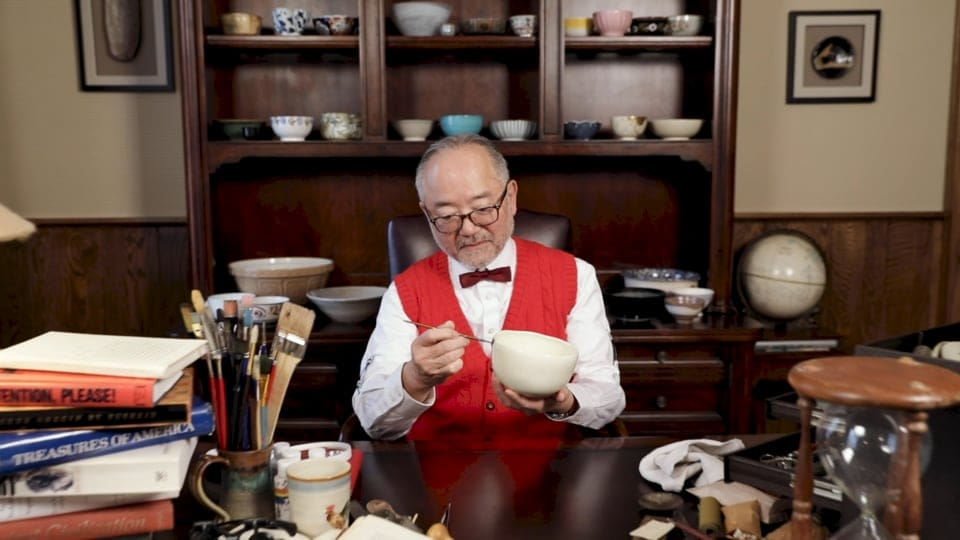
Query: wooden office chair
{"x": 409, "y": 238}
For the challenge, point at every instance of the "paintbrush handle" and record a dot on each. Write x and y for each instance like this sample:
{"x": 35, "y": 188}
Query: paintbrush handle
{"x": 474, "y": 338}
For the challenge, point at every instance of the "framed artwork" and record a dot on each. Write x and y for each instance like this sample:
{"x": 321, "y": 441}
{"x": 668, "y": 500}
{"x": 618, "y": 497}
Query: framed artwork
{"x": 124, "y": 45}
{"x": 832, "y": 56}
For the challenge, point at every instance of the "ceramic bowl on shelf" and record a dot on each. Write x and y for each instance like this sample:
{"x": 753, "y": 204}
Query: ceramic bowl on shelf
{"x": 685, "y": 25}
{"x": 582, "y": 130}
{"x": 266, "y": 309}
{"x": 649, "y": 26}
{"x": 513, "y": 130}
{"x": 289, "y": 21}
{"x": 459, "y": 124}
{"x": 676, "y": 129}
{"x": 577, "y": 26}
{"x": 483, "y": 25}
{"x": 335, "y": 25}
{"x": 414, "y": 129}
{"x": 292, "y": 277}
{"x": 523, "y": 25}
{"x": 531, "y": 363}
{"x": 698, "y": 292}
{"x": 612, "y": 22}
{"x": 237, "y": 129}
{"x": 665, "y": 279}
{"x": 685, "y": 309}
{"x": 420, "y": 18}
{"x": 628, "y": 127}
{"x": 240, "y": 24}
{"x": 291, "y": 128}
{"x": 348, "y": 304}
{"x": 341, "y": 126}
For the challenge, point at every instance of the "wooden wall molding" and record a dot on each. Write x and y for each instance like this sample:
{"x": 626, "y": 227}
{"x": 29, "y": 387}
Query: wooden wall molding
{"x": 949, "y": 308}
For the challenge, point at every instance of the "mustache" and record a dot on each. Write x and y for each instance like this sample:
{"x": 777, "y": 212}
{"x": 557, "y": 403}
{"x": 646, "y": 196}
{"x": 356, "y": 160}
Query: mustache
{"x": 480, "y": 237}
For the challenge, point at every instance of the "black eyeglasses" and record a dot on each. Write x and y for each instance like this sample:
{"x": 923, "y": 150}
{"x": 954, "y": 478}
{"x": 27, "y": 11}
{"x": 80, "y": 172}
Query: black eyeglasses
{"x": 481, "y": 217}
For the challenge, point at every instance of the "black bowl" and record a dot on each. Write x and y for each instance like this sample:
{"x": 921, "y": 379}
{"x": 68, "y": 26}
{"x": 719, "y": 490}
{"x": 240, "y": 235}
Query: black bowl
{"x": 649, "y": 26}
{"x": 632, "y": 304}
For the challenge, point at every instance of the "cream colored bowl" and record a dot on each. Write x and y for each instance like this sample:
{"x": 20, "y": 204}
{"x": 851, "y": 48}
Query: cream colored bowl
{"x": 676, "y": 129}
{"x": 282, "y": 276}
{"x": 531, "y": 363}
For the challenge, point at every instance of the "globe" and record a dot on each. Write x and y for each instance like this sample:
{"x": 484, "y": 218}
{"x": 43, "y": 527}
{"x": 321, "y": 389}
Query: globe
{"x": 782, "y": 275}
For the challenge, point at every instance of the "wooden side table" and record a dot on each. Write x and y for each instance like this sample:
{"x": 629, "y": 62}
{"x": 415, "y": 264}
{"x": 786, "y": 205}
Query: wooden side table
{"x": 865, "y": 381}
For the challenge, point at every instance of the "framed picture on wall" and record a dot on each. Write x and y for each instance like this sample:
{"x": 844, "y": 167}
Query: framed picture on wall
{"x": 124, "y": 46}
{"x": 832, "y": 56}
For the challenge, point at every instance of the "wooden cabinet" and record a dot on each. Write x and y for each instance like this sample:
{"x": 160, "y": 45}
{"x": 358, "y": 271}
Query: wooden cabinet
{"x": 647, "y": 202}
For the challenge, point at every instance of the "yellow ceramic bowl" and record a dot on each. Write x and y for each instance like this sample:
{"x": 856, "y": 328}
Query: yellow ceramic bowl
{"x": 240, "y": 24}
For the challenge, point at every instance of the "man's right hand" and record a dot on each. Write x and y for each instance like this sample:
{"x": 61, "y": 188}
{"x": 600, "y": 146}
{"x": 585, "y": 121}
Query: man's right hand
{"x": 437, "y": 354}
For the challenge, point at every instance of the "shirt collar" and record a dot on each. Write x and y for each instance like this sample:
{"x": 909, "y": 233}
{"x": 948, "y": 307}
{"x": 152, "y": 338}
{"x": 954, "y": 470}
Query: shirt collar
{"x": 506, "y": 257}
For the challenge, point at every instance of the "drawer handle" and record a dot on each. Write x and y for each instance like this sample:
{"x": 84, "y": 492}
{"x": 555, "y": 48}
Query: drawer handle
{"x": 662, "y": 356}
{"x": 661, "y": 402}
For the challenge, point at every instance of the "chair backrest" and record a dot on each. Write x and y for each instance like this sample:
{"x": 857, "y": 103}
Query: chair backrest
{"x": 409, "y": 238}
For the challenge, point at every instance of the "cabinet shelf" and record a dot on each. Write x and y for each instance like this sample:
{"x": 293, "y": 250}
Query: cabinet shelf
{"x": 638, "y": 43}
{"x": 224, "y": 152}
{"x": 461, "y": 42}
{"x": 282, "y": 42}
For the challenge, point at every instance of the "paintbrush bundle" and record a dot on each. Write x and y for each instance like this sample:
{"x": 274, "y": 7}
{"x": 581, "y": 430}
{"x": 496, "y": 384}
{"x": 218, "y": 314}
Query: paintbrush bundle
{"x": 248, "y": 377}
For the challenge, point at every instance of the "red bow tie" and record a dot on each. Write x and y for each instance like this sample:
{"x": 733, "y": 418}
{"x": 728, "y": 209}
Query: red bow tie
{"x": 470, "y": 279}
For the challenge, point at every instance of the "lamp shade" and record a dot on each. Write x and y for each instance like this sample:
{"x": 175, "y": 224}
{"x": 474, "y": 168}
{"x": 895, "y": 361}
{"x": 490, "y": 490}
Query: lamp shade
{"x": 14, "y": 227}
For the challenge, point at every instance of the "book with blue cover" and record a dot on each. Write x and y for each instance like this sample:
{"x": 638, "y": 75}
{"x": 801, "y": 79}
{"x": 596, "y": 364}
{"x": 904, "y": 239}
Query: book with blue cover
{"x": 23, "y": 450}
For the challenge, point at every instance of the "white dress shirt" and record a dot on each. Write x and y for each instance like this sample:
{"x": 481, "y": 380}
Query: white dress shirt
{"x": 387, "y": 411}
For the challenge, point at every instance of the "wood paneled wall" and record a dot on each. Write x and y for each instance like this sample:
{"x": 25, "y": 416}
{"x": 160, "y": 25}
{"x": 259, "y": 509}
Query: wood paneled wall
{"x": 883, "y": 269}
{"x": 114, "y": 277}
{"x": 130, "y": 277}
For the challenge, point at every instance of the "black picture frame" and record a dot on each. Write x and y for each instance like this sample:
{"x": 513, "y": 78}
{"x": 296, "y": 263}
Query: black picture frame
{"x": 134, "y": 55}
{"x": 832, "y": 56}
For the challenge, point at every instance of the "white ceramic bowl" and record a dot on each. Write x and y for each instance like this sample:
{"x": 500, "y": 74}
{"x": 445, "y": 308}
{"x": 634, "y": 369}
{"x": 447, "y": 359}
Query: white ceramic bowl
{"x": 215, "y": 301}
{"x": 282, "y": 276}
{"x": 628, "y": 127}
{"x": 513, "y": 130}
{"x": 414, "y": 129}
{"x": 420, "y": 18}
{"x": 349, "y": 304}
{"x": 676, "y": 129}
{"x": 684, "y": 308}
{"x": 291, "y": 128}
{"x": 531, "y": 363}
{"x": 664, "y": 279}
{"x": 695, "y": 292}
{"x": 267, "y": 308}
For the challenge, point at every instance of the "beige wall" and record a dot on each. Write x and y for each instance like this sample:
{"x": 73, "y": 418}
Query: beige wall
{"x": 888, "y": 155}
{"x": 67, "y": 153}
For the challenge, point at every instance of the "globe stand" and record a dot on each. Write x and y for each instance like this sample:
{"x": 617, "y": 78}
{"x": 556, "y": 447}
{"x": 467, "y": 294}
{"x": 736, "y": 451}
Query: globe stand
{"x": 861, "y": 381}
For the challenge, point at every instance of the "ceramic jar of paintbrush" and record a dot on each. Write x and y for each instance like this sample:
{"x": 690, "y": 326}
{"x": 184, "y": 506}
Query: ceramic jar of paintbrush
{"x": 246, "y": 487}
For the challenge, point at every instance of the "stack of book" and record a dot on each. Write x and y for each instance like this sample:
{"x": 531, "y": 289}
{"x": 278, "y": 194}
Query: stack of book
{"x": 96, "y": 433}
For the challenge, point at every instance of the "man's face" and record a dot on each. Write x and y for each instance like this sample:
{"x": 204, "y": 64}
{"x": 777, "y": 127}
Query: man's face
{"x": 458, "y": 181}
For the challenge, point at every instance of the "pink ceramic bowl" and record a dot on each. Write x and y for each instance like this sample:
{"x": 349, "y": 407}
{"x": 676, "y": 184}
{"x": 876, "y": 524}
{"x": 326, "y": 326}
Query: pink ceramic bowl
{"x": 612, "y": 22}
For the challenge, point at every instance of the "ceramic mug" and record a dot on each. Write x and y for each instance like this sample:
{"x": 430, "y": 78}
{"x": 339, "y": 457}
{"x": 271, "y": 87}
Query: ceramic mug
{"x": 317, "y": 487}
{"x": 246, "y": 488}
{"x": 289, "y": 21}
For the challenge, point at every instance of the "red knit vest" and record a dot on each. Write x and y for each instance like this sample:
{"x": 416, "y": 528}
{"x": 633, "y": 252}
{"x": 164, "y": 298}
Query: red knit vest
{"x": 466, "y": 407}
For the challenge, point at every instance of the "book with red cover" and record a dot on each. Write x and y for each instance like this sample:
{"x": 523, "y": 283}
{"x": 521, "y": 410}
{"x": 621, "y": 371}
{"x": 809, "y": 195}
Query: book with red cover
{"x": 31, "y": 388}
{"x": 103, "y": 523}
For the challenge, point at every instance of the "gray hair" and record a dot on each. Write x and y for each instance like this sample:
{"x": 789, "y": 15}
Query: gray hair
{"x": 459, "y": 141}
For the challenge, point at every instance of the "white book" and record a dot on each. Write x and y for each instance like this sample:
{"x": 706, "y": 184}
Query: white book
{"x": 100, "y": 354}
{"x": 149, "y": 469}
{"x": 15, "y": 509}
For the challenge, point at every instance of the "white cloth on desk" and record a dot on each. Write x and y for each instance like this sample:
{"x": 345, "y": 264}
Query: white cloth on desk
{"x": 672, "y": 464}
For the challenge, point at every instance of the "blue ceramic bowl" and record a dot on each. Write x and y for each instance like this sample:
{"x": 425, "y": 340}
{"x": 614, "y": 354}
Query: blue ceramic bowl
{"x": 458, "y": 124}
{"x": 581, "y": 129}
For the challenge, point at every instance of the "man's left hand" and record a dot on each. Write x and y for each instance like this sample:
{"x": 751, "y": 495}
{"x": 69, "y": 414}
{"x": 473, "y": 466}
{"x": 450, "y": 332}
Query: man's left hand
{"x": 561, "y": 402}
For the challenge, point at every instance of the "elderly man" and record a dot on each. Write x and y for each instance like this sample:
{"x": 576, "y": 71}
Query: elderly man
{"x": 430, "y": 383}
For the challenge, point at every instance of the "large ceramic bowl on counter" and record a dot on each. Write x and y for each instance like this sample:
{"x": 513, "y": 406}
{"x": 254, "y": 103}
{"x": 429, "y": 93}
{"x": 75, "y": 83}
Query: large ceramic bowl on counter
{"x": 348, "y": 304}
{"x": 282, "y": 276}
{"x": 665, "y": 279}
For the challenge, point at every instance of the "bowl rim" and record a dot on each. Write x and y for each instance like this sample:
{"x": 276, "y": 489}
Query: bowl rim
{"x": 313, "y": 265}
{"x": 375, "y": 291}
